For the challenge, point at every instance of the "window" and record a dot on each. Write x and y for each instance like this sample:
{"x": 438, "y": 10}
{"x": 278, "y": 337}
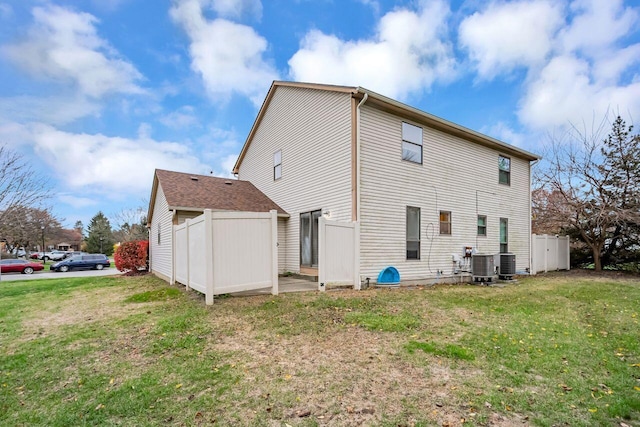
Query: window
{"x": 158, "y": 233}
{"x": 482, "y": 225}
{"x": 504, "y": 235}
{"x": 445, "y": 222}
{"x": 504, "y": 167}
{"x": 411, "y": 143}
{"x": 413, "y": 233}
{"x": 277, "y": 165}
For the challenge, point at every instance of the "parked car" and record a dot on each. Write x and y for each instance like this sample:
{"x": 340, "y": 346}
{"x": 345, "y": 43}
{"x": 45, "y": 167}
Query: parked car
{"x": 78, "y": 262}
{"x": 54, "y": 255}
{"x": 36, "y": 255}
{"x": 19, "y": 266}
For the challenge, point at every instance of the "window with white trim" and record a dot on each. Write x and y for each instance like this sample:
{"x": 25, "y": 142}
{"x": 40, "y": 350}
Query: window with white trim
{"x": 277, "y": 165}
{"x": 482, "y": 225}
{"x": 445, "y": 222}
{"x": 504, "y": 168}
{"x": 411, "y": 143}
{"x": 413, "y": 233}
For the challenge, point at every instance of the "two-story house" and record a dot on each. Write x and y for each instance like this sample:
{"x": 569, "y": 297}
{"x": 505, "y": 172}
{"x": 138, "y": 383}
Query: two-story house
{"x": 422, "y": 188}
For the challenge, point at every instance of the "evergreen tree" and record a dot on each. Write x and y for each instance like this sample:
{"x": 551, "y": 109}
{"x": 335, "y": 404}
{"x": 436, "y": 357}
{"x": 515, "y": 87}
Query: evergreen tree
{"x": 99, "y": 235}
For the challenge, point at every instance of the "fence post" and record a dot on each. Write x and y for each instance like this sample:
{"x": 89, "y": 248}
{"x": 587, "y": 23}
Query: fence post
{"x": 274, "y": 252}
{"x": 322, "y": 242}
{"x": 534, "y": 261}
{"x": 188, "y": 284}
{"x": 208, "y": 245}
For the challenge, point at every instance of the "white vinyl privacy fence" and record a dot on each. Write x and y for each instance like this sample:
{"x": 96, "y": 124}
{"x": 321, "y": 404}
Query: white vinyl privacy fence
{"x": 223, "y": 252}
{"x": 338, "y": 253}
{"x": 549, "y": 253}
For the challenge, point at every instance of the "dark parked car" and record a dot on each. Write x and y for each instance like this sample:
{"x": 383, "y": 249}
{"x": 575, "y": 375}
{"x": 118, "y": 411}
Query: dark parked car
{"x": 19, "y": 266}
{"x": 79, "y": 262}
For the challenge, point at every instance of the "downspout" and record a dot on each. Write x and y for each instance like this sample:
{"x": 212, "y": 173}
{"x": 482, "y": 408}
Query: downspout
{"x": 358, "y": 197}
{"x": 358, "y": 263}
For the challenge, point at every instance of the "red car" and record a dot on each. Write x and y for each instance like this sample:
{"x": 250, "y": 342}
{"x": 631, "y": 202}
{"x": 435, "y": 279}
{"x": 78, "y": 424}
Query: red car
{"x": 19, "y": 266}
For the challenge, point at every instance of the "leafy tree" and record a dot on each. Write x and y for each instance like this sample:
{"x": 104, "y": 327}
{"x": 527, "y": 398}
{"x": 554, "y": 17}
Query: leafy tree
{"x": 593, "y": 188}
{"x": 99, "y": 235}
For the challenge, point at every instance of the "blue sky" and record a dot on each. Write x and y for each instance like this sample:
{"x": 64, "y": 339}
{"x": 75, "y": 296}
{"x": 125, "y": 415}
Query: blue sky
{"x": 99, "y": 93}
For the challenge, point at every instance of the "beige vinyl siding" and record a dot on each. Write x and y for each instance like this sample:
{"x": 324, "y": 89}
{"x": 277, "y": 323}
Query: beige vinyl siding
{"x": 160, "y": 257}
{"x": 312, "y": 129}
{"x": 282, "y": 245}
{"x": 182, "y": 216}
{"x": 454, "y": 174}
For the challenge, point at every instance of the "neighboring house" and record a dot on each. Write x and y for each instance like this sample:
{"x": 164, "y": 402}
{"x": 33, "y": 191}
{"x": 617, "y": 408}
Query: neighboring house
{"x": 176, "y": 197}
{"x": 422, "y": 188}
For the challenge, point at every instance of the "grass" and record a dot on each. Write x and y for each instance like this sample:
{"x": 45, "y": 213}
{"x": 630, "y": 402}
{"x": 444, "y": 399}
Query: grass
{"x": 136, "y": 351}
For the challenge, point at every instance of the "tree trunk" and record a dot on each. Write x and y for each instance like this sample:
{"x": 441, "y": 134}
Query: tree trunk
{"x": 597, "y": 260}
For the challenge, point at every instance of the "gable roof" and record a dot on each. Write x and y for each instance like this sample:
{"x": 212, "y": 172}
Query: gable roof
{"x": 394, "y": 107}
{"x": 190, "y": 192}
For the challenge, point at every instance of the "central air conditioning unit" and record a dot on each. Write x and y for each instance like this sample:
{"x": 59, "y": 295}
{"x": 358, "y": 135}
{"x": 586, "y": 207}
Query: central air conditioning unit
{"x": 507, "y": 266}
{"x": 482, "y": 267}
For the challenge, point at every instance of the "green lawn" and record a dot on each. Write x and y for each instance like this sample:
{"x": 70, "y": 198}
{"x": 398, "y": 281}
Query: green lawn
{"x": 563, "y": 348}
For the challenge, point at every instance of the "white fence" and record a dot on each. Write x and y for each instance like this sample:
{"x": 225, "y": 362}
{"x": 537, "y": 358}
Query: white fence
{"x": 223, "y": 252}
{"x": 549, "y": 253}
{"x": 338, "y": 253}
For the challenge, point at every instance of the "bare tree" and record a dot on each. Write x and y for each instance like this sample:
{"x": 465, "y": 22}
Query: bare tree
{"x": 131, "y": 224}
{"x": 593, "y": 187}
{"x": 20, "y": 185}
{"x": 26, "y": 227}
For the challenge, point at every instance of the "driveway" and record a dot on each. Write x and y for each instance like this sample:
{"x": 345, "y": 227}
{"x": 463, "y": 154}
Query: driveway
{"x": 9, "y": 277}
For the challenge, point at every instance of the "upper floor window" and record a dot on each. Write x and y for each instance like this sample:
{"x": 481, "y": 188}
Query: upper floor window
{"x": 445, "y": 222}
{"x": 159, "y": 234}
{"x": 504, "y": 167}
{"x": 411, "y": 143}
{"x": 277, "y": 165}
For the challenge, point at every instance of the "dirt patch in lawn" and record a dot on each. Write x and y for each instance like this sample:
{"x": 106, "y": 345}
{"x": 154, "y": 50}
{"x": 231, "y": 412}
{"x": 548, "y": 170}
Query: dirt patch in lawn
{"x": 350, "y": 377}
{"x": 79, "y": 307}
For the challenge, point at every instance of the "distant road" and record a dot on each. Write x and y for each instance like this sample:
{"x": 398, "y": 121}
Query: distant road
{"x": 10, "y": 277}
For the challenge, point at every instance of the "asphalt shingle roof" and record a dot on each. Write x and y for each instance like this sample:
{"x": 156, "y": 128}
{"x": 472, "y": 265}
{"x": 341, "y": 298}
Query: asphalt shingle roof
{"x": 183, "y": 190}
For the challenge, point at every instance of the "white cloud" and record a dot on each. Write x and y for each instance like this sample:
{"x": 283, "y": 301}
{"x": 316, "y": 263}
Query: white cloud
{"x": 237, "y": 8}
{"x": 101, "y": 163}
{"x": 228, "y": 56}
{"x": 408, "y": 53}
{"x": 508, "y": 35}
{"x": 503, "y": 132}
{"x": 52, "y": 110}
{"x": 184, "y": 117}
{"x": 63, "y": 45}
{"x": 77, "y": 202}
{"x": 597, "y": 25}
{"x": 565, "y": 92}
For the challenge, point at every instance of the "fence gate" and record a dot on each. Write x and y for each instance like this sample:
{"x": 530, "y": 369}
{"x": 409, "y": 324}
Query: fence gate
{"x": 338, "y": 253}
{"x": 549, "y": 253}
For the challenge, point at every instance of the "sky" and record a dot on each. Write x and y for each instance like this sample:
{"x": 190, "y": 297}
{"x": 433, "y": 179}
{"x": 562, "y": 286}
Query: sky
{"x": 96, "y": 94}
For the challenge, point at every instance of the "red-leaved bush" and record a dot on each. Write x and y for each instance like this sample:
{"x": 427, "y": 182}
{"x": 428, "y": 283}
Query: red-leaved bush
{"x": 131, "y": 257}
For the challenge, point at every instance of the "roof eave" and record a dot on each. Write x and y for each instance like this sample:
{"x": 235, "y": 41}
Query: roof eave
{"x": 267, "y": 100}
{"x": 443, "y": 125}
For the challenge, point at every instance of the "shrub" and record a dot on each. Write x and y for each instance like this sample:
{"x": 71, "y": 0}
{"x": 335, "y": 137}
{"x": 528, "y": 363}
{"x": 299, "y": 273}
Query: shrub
{"x": 132, "y": 256}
